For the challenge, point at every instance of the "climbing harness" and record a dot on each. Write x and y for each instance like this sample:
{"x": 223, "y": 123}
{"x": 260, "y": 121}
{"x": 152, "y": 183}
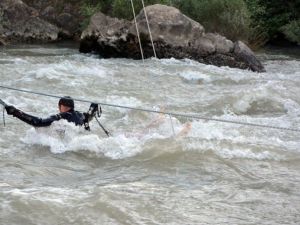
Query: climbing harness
{"x": 94, "y": 112}
{"x": 89, "y": 115}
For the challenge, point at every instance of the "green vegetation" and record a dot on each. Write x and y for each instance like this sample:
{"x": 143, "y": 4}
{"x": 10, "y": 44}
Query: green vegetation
{"x": 123, "y": 8}
{"x": 277, "y": 18}
{"x": 292, "y": 31}
{"x": 87, "y": 10}
{"x": 227, "y": 17}
{"x": 253, "y": 21}
{"x": 116, "y": 8}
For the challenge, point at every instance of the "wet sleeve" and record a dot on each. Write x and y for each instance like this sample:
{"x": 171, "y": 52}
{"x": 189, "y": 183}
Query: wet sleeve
{"x": 36, "y": 121}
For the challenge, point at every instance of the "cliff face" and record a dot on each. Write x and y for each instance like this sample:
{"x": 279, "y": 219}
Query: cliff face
{"x": 65, "y": 14}
{"x": 38, "y": 21}
{"x": 19, "y": 22}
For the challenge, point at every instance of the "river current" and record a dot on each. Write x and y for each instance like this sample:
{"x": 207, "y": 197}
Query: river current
{"x": 154, "y": 168}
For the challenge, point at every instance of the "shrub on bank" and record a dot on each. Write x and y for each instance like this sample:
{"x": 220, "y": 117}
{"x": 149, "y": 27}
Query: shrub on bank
{"x": 87, "y": 10}
{"x": 292, "y": 31}
{"x": 227, "y": 17}
{"x": 276, "y": 17}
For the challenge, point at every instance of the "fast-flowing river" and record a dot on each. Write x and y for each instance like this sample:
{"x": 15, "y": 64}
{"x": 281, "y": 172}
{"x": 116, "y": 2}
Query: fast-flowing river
{"x": 154, "y": 168}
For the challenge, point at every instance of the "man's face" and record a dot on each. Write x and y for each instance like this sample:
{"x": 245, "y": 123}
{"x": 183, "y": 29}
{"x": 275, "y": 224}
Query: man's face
{"x": 63, "y": 108}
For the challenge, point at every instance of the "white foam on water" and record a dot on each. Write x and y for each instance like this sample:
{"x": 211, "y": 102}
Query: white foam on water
{"x": 63, "y": 136}
{"x": 196, "y": 76}
{"x": 231, "y": 141}
{"x": 172, "y": 61}
{"x": 225, "y": 140}
{"x": 231, "y": 153}
{"x": 77, "y": 70}
{"x": 265, "y": 96}
{"x": 55, "y": 195}
{"x": 11, "y": 60}
{"x": 292, "y": 107}
{"x": 124, "y": 101}
{"x": 57, "y": 136}
{"x": 67, "y": 69}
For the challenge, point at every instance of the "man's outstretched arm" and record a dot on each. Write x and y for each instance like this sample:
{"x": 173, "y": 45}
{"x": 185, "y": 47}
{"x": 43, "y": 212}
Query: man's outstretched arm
{"x": 31, "y": 120}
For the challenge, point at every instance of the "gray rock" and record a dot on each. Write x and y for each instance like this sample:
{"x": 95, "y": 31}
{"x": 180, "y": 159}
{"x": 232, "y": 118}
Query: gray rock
{"x": 174, "y": 35}
{"x": 222, "y": 45}
{"x": 204, "y": 46}
{"x": 66, "y": 20}
{"x": 22, "y": 23}
{"x": 103, "y": 26}
{"x": 64, "y": 14}
{"x": 2, "y": 42}
{"x": 244, "y": 54}
{"x": 49, "y": 14}
{"x": 105, "y": 35}
{"x": 169, "y": 25}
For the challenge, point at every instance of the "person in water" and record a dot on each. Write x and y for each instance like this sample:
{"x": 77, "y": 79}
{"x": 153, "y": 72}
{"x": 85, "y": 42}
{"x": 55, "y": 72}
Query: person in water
{"x": 160, "y": 119}
{"x": 66, "y": 112}
{"x": 186, "y": 127}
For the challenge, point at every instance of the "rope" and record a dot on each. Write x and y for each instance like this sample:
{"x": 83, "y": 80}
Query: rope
{"x": 137, "y": 31}
{"x": 188, "y": 116}
{"x": 105, "y": 131}
{"x": 150, "y": 34}
{"x": 172, "y": 125}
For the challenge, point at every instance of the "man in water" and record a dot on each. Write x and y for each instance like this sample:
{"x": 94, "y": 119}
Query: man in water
{"x": 66, "y": 111}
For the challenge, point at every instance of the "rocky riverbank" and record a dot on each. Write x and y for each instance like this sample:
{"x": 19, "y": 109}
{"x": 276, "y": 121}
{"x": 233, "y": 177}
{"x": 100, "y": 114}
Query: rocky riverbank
{"x": 34, "y": 21}
{"x": 174, "y": 34}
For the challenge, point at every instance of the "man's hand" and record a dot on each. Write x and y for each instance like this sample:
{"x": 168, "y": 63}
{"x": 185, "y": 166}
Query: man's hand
{"x": 11, "y": 110}
{"x": 89, "y": 115}
{"x": 93, "y": 109}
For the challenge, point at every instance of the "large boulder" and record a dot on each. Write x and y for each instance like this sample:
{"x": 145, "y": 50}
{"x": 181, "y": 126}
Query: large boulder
{"x": 169, "y": 25}
{"x": 174, "y": 35}
{"x": 244, "y": 54}
{"x": 19, "y": 22}
{"x": 107, "y": 36}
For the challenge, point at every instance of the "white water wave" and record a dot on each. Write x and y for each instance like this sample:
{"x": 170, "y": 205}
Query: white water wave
{"x": 63, "y": 136}
{"x": 223, "y": 140}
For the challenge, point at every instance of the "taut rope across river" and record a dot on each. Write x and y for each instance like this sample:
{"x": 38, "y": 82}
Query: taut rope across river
{"x": 187, "y": 116}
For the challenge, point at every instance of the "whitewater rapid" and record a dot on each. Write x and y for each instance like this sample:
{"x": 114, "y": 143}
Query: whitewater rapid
{"x": 154, "y": 168}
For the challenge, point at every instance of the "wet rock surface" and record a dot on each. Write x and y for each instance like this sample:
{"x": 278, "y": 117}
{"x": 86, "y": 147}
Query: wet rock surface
{"x": 173, "y": 34}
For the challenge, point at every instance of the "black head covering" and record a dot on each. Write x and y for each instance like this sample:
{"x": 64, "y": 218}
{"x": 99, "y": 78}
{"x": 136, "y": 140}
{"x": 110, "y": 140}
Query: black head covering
{"x": 66, "y": 101}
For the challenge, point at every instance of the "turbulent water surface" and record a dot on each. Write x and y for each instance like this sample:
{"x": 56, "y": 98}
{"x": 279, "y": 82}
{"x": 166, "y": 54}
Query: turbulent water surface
{"x": 154, "y": 169}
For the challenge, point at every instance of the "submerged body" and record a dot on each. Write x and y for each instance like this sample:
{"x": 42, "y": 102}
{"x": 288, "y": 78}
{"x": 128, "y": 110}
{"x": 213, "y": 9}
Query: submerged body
{"x": 66, "y": 112}
{"x": 71, "y": 116}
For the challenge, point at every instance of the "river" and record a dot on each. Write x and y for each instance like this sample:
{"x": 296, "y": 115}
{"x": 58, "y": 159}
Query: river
{"x": 149, "y": 171}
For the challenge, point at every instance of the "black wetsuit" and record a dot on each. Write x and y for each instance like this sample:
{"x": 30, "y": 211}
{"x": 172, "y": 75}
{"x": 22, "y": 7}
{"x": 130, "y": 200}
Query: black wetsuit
{"x": 71, "y": 116}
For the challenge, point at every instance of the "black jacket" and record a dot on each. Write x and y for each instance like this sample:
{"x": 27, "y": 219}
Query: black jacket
{"x": 71, "y": 116}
